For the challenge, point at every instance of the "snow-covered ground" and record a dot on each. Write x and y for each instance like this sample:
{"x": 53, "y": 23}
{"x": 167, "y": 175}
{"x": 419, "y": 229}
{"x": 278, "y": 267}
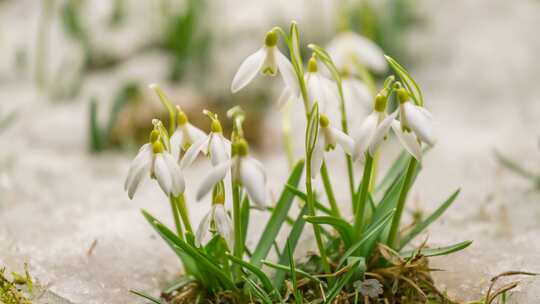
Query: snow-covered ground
{"x": 63, "y": 210}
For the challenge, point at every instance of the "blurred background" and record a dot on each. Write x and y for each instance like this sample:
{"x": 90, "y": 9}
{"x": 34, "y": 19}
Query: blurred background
{"x": 75, "y": 106}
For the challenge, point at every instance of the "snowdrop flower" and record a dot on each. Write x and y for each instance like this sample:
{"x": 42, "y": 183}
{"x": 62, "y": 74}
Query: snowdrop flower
{"x": 320, "y": 88}
{"x": 415, "y": 125}
{"x": 185, "y": 135}
{"x": 214, "y": 145}
{"x": 153, "y": 160}
{"x": 327, "y": 140}
{"x": 245, "y": 170}
{"x": 347, "y": 47}
{"x": 268, "y": 60}
{"x": 220, "y": 220}
{"x": 357, "y": 96}
{"x": 373, "y": 130}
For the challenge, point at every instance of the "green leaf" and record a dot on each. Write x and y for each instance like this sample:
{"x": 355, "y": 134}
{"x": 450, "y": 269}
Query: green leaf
{"x": 418, "y": 228}
{"x": 287, "y": 268}
{"x": 344, "y": 229}
{"x": 312, "y": 130}
{"x": 352, "y": 263}
{"x": 278, "y": 217}
{"x": 297, "y": 295}
{"x": 129, "y": 92}
{"x": 146, "y": 296}
{"x": 431, "y": 252}
{"x": 292, "y": 240}
{"x": 259, "y": 292}
{"x": 267, "y": 284}
{"x": 398, "y": 167}
{"x": 373, "y": 230}
{"x": 179, "y": 283}
{"x": 244, "y": 214}
{"x": 200, "y": 259}
{"x": 300, "y": 194}
{"x": 295, "y": 45}
{"x": 407, "y": 80}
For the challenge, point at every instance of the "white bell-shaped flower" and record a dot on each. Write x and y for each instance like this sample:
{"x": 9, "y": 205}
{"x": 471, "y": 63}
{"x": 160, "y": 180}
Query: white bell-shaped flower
{"x": 348, "y": 47}
{"x": 329, "y": 137}
{"x": 214, "y": 145}
{"x": 153, "y": 160}
{"x": 373, "y": 130}
{"x": 219, "y": 219}
{"x": 184, "y": 136}
{"x": 245, "y": 169}
{"x": 268, "y": 61}
{"x": 415, "y": 125}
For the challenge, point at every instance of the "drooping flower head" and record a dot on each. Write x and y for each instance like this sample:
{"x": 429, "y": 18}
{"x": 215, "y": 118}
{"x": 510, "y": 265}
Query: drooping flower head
{"x": 329, "y": 137}
{"x": 414, "y": 126}
{"x": 373, "y": 130}
{"x": 214, "y": 144}
{"x": 349, "y": 49}
{"x": 185, "y": 134}
{"x": 154, "y": 160}
{"x": 245, "y": 170}
{"x": 319, "y": 87}
{"x": 216, "y": 220}
{"x": 268, "y": 60}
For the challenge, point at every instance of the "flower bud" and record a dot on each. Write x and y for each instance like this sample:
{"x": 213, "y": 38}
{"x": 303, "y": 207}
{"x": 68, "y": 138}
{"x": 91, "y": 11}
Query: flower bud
{"x": 312, "y": 65}
{"x": 324, "y": 121}
{"x": 271, "y": 39}
{"x": 380, "y": 103}
{"x": 216, "y": 126}
{"x": 157, "y": 147}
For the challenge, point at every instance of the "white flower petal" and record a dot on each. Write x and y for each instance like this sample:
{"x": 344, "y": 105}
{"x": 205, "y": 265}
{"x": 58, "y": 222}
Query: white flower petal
{"x": 287, "y": 73}
{"x": 143, "y": 157}
{"x": 178, "y": 183}
{"x": 248, "y": 69}
{"x": 192, "y": 134}
{"x": 177, "y": 140}
{"x": 344, "y": 140}
{"x": 204, "y": 227}
{"x": 215, "y": 175}
{"x": 269, "y": 66}
{"x": 224, "y": 225}
{"x": 380, "y": 133}
{"x": 219, "y": 149}
{"x": 408, "y": 141}
{"x": 253, "y": 180}
{"x": 363, "y": 138}
{"x": 356, "y": 92}
{"x": 420, "y": 122}
{"x": 138, "y": 176}
{"x": 193, "y": 151}
{"x": 348, "y": 44}
{"x": 162, "y": 173}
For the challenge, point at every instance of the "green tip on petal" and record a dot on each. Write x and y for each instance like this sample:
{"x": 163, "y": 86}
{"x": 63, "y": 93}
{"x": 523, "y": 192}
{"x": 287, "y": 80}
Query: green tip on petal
{"x": 271, "y": 39}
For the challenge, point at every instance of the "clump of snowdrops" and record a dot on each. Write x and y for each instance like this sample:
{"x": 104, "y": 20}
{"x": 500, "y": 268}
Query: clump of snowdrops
{"x": 363, "y": 258}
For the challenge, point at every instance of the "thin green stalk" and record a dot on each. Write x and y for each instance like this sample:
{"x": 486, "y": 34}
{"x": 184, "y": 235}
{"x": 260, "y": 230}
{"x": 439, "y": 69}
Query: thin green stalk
{"x": 238, "y": 250}
{"x": 182, "y": 209}
{"x": 174, "y": 210}
{"x": 329, "y": 192}
{"x": 361, "y": 197}
{"x": 311, "y": 211}
{"x": 374, "y": 171}
{"x": 393, "y": 237}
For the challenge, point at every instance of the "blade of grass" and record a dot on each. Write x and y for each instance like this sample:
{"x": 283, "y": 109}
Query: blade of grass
{"x": 297, "y": 295}
{"x": 259, "y": 292}
{"x": 301, "y": 195}
{"x": 278, "y": 217}
{"x": 336, "y": 289}
{"x": 418, "y": 228}
{"x": 431, "y": 252}
{"x": 181, "y": 282}
{"x": 146, "y": 296}
{"x": 287, "y": 268}
{"x": 398, "y": 166}
{"x": 265, "y": 281}
{"x": 342, "y": 227}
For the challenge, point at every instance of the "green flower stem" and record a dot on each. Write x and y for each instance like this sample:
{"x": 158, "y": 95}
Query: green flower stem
{"x": 329, "y": 192}
{"x": 174, "y": 210}
{"x": 361, "y": 197}
{"x": 311, "y": 211}
{"x": 393, "y": 237}
{"x": 182, "y": 209}
{"x": 238, "y": 250}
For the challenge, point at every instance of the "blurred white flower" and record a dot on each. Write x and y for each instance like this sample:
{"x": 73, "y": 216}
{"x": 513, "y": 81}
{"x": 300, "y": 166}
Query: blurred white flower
{"x": 373, "y": 130}
{"x": 153, "y": 160}
{"x": 347, "y": 47}
{"x": 327, "y": 140}
{"x": 214, "y": 145}
{"x": 268, "y": 60}
{"x": 222, "y": 223}
{"x": 245, "y": 169}
{"x": 185, "y": 135}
